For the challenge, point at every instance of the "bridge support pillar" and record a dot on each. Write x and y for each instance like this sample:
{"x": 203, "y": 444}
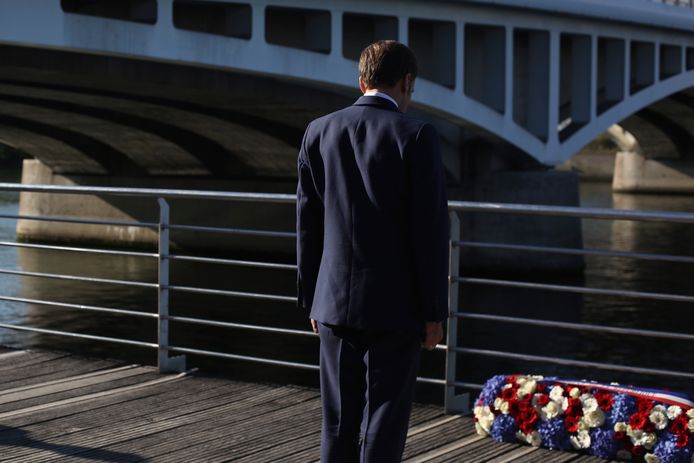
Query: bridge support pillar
{"x": 183, "y": 212}
{"x": 635, "y": 173}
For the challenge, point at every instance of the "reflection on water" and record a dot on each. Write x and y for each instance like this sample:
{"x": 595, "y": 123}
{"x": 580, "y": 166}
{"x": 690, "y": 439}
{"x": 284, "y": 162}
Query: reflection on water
{"x": 600, "y": 272}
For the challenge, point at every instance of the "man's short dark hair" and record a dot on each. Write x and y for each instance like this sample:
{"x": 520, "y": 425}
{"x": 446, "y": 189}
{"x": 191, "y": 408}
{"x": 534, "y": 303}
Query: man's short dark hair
{"x": 384, "y": 63}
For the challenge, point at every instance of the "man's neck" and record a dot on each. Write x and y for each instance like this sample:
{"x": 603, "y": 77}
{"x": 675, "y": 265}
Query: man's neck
{"x": 382, "y": 94}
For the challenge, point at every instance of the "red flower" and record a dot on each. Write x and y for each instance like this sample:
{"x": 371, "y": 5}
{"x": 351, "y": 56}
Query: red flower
{"x": 620, "y": 435}
{"x": 649, "y": 427}
{"x": 575, "y": 407}
{"x": 541, "y": 388}
{"x": 511, "y": 379}
{"x": 638, "y": 451}
{"x": 542, "y": 400}
{"x": 682, "y": 440}
{"x": 513, "y": 407}
{"x": 526, "y": 420}
{"x": 571, "y": 423}
{"x": 644, "y": 406}
{"x": 679, "y": 425}
{"x": 638, "y": 420}
{"x": 508, "y": 394}
{"x": 524, "y": 406}
{"x": 605, "y": 400}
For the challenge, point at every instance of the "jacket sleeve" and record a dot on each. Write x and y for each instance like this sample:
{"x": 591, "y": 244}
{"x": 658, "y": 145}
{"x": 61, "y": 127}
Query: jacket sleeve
{"x": 430, "y": 224}
{"x": 309, "y": 228}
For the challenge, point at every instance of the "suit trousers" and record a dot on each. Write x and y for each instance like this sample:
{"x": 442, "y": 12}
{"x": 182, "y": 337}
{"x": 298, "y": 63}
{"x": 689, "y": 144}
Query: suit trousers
{"x": 367, "y": 384}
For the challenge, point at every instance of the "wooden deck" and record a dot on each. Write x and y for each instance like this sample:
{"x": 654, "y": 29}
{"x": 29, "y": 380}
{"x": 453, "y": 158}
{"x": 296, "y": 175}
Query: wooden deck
{"x": 60, "y": 408}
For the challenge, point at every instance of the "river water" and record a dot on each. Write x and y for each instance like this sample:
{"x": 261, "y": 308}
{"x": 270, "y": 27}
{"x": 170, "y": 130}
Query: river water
{"x": 600, "y": 272}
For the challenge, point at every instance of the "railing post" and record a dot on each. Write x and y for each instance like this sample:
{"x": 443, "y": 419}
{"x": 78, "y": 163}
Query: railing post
{"x": 165, "y": 362}
{"x": 454, "y": 403}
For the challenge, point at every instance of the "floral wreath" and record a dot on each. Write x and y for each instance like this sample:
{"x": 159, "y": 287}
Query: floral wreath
{"x": 604, "y": 420}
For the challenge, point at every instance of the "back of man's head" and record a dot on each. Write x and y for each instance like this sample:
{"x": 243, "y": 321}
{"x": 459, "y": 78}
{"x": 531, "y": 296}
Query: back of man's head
{"x": 382, "y": 64}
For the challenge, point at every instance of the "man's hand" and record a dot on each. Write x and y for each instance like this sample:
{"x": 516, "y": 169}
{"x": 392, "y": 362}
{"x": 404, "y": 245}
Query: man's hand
{"x": 314, "y": 326}
{"x": 433, "y": 334}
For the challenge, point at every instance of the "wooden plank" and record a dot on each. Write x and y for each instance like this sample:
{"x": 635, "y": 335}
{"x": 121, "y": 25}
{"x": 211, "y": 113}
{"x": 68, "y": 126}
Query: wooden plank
{"x": 430, "y": 455}
{"x": 156, "y": 400}
{"x": 243, "y": 411}
{"x": 83, "y": 398}
{"x": 7, "y": 354}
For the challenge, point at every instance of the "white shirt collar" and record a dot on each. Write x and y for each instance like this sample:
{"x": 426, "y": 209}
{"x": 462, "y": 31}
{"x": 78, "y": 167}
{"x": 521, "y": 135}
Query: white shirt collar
{"x": 381, "y": 95}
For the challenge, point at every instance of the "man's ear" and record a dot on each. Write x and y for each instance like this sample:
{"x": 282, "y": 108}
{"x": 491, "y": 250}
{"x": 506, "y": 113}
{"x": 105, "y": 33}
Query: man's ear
{"x": 362, "y": 86}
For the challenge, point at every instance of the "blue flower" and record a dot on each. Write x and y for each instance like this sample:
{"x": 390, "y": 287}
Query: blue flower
{"x": 504, "y": 429}
{"x": 603, "y": 443}
{"x": 491, "y": 389}
{"x": 554, "y": 434}
{"x": 667, "y": 451}
{"x": 623, "y": 407}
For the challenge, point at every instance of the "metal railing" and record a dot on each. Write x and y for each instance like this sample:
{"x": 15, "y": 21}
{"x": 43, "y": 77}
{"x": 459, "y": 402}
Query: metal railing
{"x": 171, "y": 357}
{"x": 683, "y": 3}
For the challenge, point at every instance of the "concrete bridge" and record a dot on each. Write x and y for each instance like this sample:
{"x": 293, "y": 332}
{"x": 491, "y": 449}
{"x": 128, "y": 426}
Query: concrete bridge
{"x": 217, "y": 93}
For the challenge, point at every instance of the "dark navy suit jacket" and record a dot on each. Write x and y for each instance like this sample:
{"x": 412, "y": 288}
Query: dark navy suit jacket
{"x": 372, "y": 219}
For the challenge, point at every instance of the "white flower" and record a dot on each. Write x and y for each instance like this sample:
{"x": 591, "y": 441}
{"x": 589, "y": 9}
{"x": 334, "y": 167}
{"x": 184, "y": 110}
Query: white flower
{"x": 503, "y": 406}
{"x": 651, "y": 458}
{"x": 537, "y": 377}
{"x": 583, "y": 425}
{"x": 521, "y": 380}
{"x": 485, "y": 418}
{"x": 520, "y": 436}
{"x": 480, "y": 430}
{"x": 575, "y": 393}
{"x": 497, "y": 403}
{"x": 635, "y": 434}
{"x": 581, "y": 440}
{"x": 690, "y": 426}
{"x": 565, "y": 403}
{"x": 624, "y": 455}
{"x": 557, "y": 393}
{"x": 506, "y": 386}
{"x": 659, "y": 419}
{"x": 527, "y": 388}
{"x": 594, "y": 418}
{"x": 659, "y": 408}
{"x": 673, "y": 412}
{"x": 648, "y": 440}
{"x": 690, "y": 413}
{"x": 534, "y": 439}
{"x": 620, "y": 427}
{"x": 551, "y": 410}
{"x": 589, "y": 403}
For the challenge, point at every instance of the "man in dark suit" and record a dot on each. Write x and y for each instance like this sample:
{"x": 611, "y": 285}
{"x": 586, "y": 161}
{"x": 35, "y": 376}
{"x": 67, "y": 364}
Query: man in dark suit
{"x": 372, "y": 247}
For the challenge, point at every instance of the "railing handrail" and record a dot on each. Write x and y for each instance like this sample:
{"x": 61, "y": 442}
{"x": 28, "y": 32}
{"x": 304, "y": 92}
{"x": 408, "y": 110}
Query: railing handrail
{"x": 283, "y": 198}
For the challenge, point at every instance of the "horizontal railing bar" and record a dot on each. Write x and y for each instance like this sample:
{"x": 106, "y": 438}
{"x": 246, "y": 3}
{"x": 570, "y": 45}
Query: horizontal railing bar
{"x": 582, "y": 252}
{"x": 221, "y": 292}
{"x": 240, "y": 263}
{"x": 578, "y": 212}
{"x": 67, "y": 305}
{"x": 282, "y": 363}
{"x": 577, "y": 289}
{"x": 577, "y": 326}
{"x": 246, "y": 358}
{"x": 55, "y": 276}
{"x": 268, "y": 329}
{"x": 467, "y": 385}
{"x": 152, "y": 192}
{"x": 38, "y": 218}
{"x": 74, "y": 249}
{"x": 533, "y": 209}
{"x": 234, "y": 231}
{"x": 79, "y": 335}
{"x": 438, "y": 382}
{"x": 572, "y": 362}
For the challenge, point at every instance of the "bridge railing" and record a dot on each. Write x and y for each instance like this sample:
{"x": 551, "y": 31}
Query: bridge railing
{"x": 171, "y": 356}
{"x": 684, "y": 3}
